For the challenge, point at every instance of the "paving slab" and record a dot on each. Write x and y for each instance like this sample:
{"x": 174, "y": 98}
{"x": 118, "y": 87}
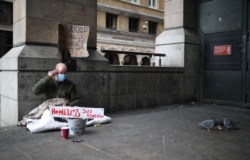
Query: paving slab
{"x": 163, "y": 133}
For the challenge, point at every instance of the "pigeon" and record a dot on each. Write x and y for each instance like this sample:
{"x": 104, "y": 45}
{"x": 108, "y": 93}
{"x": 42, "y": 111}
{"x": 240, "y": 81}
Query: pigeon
{"x": 221, "y": 124}
{"x": 228, "y": 123}
{"x": 208, "y": 124}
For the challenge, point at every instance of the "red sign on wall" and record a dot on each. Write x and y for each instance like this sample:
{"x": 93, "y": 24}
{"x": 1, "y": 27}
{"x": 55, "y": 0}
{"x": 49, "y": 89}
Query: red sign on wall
{"x": 222, "y": 50}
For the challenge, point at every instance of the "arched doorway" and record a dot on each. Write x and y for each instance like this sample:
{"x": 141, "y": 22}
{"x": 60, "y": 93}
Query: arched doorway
{"x": 145, "y": 61}
{"x": 130, "y": 60}
{"x": 113, "y": 58}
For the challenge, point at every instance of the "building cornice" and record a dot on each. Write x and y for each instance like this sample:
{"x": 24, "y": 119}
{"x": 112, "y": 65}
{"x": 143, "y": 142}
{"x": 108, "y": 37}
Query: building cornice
{"x": 128, "y": 34}
{"x": 128, "y": 12}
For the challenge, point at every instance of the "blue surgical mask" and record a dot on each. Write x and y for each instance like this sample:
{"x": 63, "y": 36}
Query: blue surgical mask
{"x": 61, "y": 77}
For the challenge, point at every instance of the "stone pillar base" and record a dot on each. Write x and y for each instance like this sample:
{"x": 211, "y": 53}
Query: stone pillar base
{"x": 20, "y": 68}
{"x": 173, "y": 43}
{"x": 181, "y": 47}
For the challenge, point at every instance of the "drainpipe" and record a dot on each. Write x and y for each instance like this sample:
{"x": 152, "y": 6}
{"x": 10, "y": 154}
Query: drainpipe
{"x": 244, "y": 51}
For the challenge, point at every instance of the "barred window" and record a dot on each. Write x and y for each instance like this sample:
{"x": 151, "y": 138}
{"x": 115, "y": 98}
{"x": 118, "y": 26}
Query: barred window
{"x": 152, "y": 26}
{"x": 111, "y": 21}
{"x": 133, "y": 24}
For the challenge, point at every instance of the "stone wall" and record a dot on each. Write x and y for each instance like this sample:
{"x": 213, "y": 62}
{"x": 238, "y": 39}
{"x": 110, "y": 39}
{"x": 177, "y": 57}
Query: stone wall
{"x": 115, "y": 88}
{"x": 118, "y": 88}
{"x": 145, "y": 87}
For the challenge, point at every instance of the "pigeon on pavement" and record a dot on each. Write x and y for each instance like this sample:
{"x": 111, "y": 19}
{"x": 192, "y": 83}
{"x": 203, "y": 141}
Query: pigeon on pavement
{"x": 208, "y": 124}
{"x": 228, "y": 123}
{"x": 221, "y": 124}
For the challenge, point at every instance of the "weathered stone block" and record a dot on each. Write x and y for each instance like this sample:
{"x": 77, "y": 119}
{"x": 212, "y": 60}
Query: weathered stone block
{"x": 174, "y": 20}
{"x": 19, "y": 8}
{"x": 9, "y": 92}
{"x": 10, "y": 89}
{"x": 41, "y": 31}
{"x": 19, "y": 32}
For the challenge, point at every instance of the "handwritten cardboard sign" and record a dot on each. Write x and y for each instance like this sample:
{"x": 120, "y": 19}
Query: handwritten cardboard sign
{"x": 73, "y": 38}
{"x": 76, "y": 112}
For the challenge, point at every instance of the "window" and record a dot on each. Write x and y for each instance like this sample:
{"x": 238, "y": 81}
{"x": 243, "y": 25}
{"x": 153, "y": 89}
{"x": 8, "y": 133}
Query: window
{"x": 133, "y": 1}
{"x": 152, "y": 27}
{"x": 5, "y": 13}
{"x": 133, "y": 24}
{"x": 5, "y": 42}
{"x": 111, "y": 21}
{"x": 5, "y": 20}
{"x": 153, "y": 3}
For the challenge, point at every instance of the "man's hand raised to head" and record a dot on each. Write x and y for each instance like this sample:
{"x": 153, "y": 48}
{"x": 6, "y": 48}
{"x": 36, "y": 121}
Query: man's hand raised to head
{"x": 52, "y": 73}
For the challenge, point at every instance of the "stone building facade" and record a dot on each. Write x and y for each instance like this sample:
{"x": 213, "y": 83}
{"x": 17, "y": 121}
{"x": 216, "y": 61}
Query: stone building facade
{"x": 122, "y": 25}
{"x": 112, "y": 87}
{"x": 128, "y": 25}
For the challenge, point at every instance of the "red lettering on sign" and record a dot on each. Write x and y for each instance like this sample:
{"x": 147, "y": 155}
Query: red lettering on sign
{"x": 86, "y": 111}
{"x": 94, "y": 116}
{"x": 77, "y": 112}
{"x": 66, "y": 112}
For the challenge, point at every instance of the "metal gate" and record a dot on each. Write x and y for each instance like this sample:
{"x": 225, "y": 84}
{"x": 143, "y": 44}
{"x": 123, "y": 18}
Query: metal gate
{"x": 225, "y": 51}
{"x": 222, "y": 75}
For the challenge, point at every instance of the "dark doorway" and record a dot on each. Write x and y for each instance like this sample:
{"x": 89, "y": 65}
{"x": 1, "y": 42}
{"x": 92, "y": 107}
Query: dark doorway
{"x": 224, "y": 43}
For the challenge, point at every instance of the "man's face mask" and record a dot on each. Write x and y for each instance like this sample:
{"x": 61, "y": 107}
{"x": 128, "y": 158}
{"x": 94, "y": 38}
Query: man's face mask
{"x": 61, "y": 77}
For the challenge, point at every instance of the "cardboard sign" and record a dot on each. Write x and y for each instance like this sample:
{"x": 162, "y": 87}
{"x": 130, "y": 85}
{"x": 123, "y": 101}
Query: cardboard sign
{"x": 73, "y": 38}
{"x": 76, "y": 112}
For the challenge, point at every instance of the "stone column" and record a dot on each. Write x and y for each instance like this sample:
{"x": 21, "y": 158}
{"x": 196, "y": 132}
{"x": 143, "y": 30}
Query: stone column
{"x": 35, "y": 51}
{"x": 179, "y": 41}
{"x": 179, "y": 32}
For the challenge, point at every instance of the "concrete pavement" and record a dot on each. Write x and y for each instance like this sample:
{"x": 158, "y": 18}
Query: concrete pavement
{"x": 163, "y": 133}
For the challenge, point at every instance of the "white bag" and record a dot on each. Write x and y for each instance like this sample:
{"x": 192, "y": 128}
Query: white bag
{"x": 45, "y": 123}
{"x": 103, "y": 120}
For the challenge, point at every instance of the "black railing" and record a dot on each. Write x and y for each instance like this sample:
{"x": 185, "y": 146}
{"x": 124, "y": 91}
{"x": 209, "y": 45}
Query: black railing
{"x": 135, "y": 53}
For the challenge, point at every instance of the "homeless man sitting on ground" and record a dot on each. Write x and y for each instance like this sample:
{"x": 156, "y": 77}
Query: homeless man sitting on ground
{"x": 58, "y": 89}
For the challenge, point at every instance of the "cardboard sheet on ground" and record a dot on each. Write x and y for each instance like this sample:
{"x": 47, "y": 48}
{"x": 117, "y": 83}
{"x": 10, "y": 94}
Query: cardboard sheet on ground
{"x": 47, "y": 122}
{"x": 76, "y": 112}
